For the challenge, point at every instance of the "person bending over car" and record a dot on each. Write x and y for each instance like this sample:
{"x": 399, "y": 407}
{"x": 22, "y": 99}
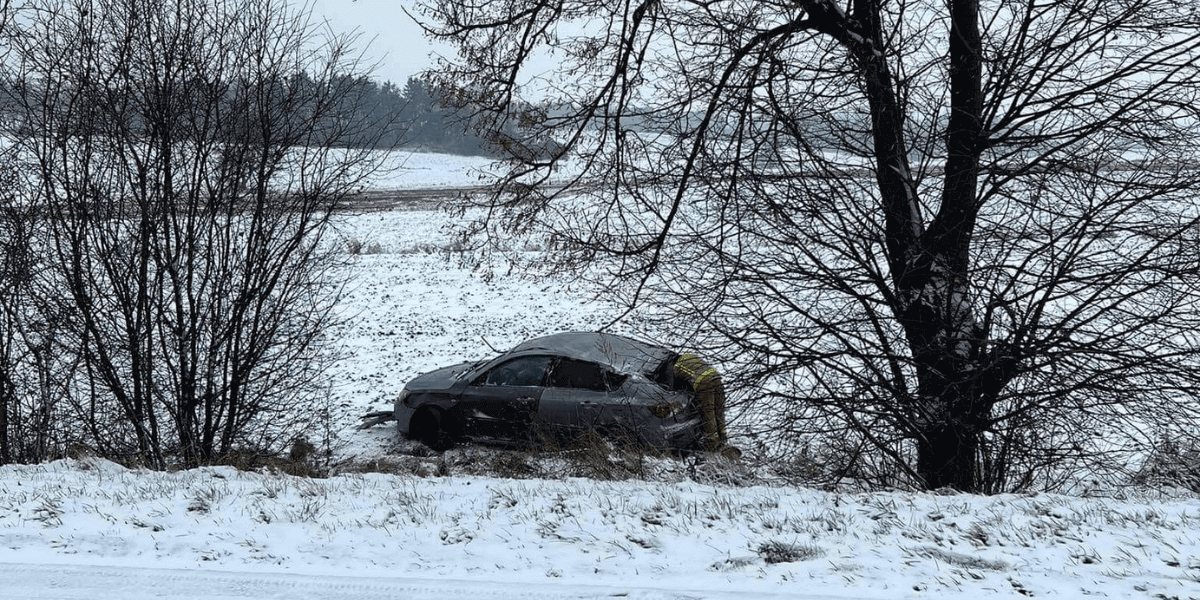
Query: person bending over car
{"x": 710, "y": 398}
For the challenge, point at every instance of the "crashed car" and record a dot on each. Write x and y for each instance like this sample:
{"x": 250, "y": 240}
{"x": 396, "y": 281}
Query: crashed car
{"x": 555, "y": 387}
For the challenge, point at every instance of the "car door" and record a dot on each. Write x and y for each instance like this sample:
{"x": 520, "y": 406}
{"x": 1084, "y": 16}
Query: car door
{"x": 575, "y": 397}
{"x": 502, "y": 402}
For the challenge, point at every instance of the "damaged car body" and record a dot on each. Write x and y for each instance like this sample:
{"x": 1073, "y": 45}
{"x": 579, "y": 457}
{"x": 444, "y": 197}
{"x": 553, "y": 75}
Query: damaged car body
{"x": 559, "y": 386}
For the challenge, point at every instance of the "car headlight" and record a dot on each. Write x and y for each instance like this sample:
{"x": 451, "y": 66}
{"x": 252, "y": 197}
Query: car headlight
{"x": 665, "y": 410}
{"x": 404, "y": 396}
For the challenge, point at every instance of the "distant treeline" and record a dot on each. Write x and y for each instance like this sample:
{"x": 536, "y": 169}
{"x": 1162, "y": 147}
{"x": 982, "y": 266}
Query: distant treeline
{"x": 420, "y": 119}
{"x": 413, "y": 116}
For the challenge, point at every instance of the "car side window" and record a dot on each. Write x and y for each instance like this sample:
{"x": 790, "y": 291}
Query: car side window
{"x": 579, "y": 374}
{"x": 527, "y": 371}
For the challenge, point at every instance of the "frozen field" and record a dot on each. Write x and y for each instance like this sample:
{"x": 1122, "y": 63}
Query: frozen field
{"x": 92, "y": 529}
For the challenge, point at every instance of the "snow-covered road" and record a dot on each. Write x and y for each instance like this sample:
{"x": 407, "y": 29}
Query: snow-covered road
{"x": 65, "y": 582}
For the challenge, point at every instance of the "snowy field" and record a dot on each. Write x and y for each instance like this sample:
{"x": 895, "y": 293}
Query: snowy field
{"x": 88, "y": 528}
{"x": 420, "y": 170}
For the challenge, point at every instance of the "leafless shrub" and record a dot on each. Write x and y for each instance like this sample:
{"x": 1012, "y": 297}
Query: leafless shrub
{"x": 1174, "y": 462}
{"x": 184, "y": 180}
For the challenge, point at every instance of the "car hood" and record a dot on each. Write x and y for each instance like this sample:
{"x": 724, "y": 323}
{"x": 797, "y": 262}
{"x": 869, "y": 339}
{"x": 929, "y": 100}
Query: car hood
{"x": 441, "y": 379}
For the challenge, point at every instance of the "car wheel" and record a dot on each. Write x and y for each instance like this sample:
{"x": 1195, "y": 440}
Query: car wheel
{"x": 429, "y": 429}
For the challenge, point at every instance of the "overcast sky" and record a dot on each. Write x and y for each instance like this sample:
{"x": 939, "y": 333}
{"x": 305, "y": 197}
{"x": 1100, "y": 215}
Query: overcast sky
{"x": 395, "y": 40}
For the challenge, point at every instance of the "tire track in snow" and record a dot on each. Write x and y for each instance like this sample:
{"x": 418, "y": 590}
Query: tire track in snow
{"x": 84, "y": 582}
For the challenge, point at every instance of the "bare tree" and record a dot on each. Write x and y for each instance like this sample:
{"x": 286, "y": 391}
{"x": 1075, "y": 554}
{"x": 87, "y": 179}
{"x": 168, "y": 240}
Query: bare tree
{"x": 14, "y": 267}
{"x": 17, "y": 266}
{"x": 955, "y": 239}
{"x": 188, "y": 156}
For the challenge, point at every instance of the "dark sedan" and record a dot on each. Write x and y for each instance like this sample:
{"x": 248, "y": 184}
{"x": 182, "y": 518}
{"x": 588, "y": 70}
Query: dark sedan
{"x": 555, "y": 387}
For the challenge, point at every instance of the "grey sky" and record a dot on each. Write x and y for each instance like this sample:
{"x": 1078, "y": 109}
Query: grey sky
{"x": 394, "y": 39}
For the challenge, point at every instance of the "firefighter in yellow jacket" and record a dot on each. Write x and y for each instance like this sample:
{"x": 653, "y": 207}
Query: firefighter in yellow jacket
{"x": 710, "y": 398}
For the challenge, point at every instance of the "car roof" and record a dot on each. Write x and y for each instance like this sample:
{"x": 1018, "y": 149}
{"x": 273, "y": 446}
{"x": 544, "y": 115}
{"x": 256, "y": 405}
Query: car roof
{"x": 624, "y": 355}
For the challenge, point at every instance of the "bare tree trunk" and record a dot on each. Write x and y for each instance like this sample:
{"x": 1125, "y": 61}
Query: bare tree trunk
{"x": 929, "y": 267}
{"x": 948, "y": 350}
{"x": 8, "y": 395}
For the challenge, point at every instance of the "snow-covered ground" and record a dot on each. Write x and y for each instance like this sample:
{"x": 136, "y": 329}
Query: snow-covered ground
{"x": 573, "y": 538}
{"x": 435, "y": 528}
{"x": 407, "y": 170}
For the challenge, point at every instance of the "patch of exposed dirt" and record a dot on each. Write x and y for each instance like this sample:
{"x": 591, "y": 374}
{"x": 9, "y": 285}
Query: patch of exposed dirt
{"x": 414, "y": 199}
